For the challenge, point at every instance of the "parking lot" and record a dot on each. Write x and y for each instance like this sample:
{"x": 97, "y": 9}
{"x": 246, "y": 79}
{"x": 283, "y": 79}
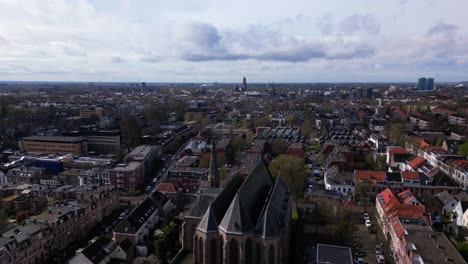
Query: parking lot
{"x": 367, "y": 242}
{"x": 361, "y": 239}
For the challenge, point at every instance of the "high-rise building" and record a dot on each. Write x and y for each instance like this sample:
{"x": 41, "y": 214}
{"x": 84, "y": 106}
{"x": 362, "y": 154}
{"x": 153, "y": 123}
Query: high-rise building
{"x": 430, "y": 84}
{"x": 425, "y": 84}
{"x": 421, "y": 83}
{"x": 244, "y": 84}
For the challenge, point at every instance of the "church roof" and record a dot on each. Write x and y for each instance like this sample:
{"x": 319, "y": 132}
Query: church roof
{"x": 277, "y": 212}
{"x": 236, "y": 219}
{"x": 208, "y": 223}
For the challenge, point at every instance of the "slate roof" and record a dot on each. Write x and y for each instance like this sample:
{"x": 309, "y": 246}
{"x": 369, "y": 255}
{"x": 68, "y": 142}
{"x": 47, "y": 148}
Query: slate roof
{"x": 236, "y": 219}
{"x": 208, "y": 223}
{"x": 220, "y": 205}
{"x": 98, "y": 250}
{"x": 277, "y": 212}
{"x": 258, "y": 204}
{"x": 132, "y": 223}
{"x": 444, "y": 197}
{"x": 200, "y": 205}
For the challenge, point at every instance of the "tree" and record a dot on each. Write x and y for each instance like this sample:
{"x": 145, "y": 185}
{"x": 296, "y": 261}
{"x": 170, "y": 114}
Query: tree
{"x": 463, "y": 149}
{"x": 462, "y": 247}
{"x": 279, "y": 147}
{"x": 307, "y": 129}
{"x": 291, "y": 169}
{"x": 396, "y": 133}
{"x": 204, "y": 160}
{"x": 131, "y": 130}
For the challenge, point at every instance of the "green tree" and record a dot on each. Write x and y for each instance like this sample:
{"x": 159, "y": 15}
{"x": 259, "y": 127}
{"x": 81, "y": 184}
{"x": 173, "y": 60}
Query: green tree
{"x": 463, "y": 149}
{"x": 463, "y": 249}
{"x": 291, "y": 169}
{"x": 307, "y": 128}
{"x": 397, "y": 133}
{"x": 204, "y": 160}
{"x": 131, "y": 130}
{"x": 279, "y": 147}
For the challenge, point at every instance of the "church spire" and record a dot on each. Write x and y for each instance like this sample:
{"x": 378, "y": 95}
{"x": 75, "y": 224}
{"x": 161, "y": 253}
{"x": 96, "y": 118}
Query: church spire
{"x": 213, "y": 175}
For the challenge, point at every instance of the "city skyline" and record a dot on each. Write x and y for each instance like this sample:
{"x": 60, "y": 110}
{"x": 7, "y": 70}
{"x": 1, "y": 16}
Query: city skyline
{"x": 208, "y": 41}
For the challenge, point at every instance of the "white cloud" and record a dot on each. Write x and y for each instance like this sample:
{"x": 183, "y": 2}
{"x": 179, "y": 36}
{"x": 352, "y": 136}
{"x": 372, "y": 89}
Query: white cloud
{"x": 170, "y": 40}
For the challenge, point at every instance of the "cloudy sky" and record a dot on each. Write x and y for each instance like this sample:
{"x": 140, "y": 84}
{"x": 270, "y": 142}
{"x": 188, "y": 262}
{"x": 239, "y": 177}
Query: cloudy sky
{"x": 224, "y": 40}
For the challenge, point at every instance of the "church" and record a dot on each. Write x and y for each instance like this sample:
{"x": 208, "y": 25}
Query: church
{"x": 247, "y": 221}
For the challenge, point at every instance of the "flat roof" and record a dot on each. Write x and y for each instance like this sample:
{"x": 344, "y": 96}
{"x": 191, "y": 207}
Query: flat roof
{"x": 328, "y": 254}
{"x": 55, "y": 139}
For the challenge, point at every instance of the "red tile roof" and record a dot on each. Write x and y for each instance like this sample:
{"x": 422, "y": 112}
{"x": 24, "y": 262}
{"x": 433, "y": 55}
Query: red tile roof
{"x": 168, "y": 186}
{"x": 397, "y": 226}
{"x": 461, "y": 164}
{"x": 397, "y": 150}
{"x": 413, "y": 175}
{"x": 422, "y": 143}
{"x": 368, "y": 175}
{"x": 406, "y": 196}
{"x": 442, "y": 110}
{"x": 417, "y": 163}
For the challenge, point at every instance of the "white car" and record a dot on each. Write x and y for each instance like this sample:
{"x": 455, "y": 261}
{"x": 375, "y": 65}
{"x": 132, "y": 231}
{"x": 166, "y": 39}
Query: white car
{"x": 366, "y": 216}
{"x": 368, "y": 223}
{"x": 380, "y": 259}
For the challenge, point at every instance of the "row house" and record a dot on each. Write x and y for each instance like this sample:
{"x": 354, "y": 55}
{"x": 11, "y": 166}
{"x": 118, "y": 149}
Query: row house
{"x": 379, "y": 143}
{"x": 409, "y": 233}
{"x": 339, "y": 181}
{"x": 104, "y": 250}
{"x": 136, "y": 226}
{"x": 25, "y": 174}
{"x": 369, "y": 183}
{"x": 188, "y": 178}
{"x": 31, "y": 243}
{"x": 454, "y": 166}
{"x": 420, "y": 122}
{"x": 396, "y": 158}
{"x": 457, "y": 120}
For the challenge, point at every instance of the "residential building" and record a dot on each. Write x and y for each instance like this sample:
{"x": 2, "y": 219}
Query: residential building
{"x": 457, "y": 120}
{"x": 136, "y": 226}
{"x": 339, "y": 181}
{"x": 369, "y": 183}
{"x": 409, "y": 233}
{"x": 55, "y": 145}
{"x": 89, "y": 112}
{"x": 31, "y": 243}
{"x": 127, "y": 177}
{"x": 104, "y": 250}
{"x": 25, "y": 174}
{"x": 396, "y": 158}
{"x": 420, "y": 122}
{"x": 188, "y": 178}
{"x": 147, "y": 155}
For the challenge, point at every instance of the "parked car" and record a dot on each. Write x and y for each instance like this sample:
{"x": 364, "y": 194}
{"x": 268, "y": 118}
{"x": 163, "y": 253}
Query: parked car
{"x": 380, "y": 259}
{"x": 366, "y": 216}
{"x": 368, "y": 223}
{"x": 122, "y": 216}
{"x": 359, "y": 260}
{"x": 378, "y": 250}
{"x": 148, "y": 188}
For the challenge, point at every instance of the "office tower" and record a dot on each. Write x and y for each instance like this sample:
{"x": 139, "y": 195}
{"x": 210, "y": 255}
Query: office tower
{"x": 244, "y": 84}
{"x": 425, "y": 84}
{"x": 421, "y": 84}
{"x": 429, "y": 84}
